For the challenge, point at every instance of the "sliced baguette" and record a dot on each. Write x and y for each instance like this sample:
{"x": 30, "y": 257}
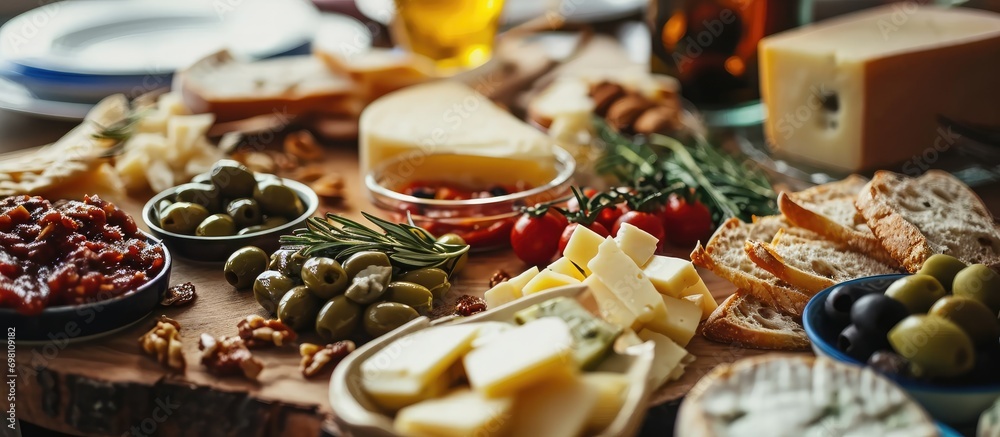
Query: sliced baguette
{"x": 828, "y": 210}
{"x": 813, "y": 264}
{"x": 744, "y": 320}
{"x": 725, "y": 256}
{"x": 915, "y": 218}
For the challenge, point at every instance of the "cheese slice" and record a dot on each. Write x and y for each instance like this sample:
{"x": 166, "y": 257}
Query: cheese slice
{"x": 555, "y": 408}
{"x": 461, "y": 413}
{"x": 697, "y": 300}
{"x": 446, "y": 117}
{"x": 671, "y": 275}
{"x": 565, "y": 96}
{"x": 708, "y": 303}
{"x": 565, "y": 266}
{"x": 612, "y": 309}
{"x": 392, "y": 393}
{"x": 547, "y": 280}
{"x": 582, "y": 247}
{"x": 501, "y": 294}
{"x": 611, "y": 390}
{"x": 620, "y": 274}
{"x": 521, "y": 357}
{"x": 864, "y": 90}
{"x": 636, "y": 243}
{"x": 519, "y": 281}
{"x": 682, "y": 319}
{"x": 668, "y": 355}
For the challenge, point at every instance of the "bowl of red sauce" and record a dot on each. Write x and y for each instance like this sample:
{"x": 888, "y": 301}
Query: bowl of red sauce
{"x": 476, "y": 197}
{"x": 73, "y": 269}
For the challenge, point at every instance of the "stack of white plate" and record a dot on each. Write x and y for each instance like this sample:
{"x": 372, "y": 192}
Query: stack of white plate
{"x": 61, "y": 58}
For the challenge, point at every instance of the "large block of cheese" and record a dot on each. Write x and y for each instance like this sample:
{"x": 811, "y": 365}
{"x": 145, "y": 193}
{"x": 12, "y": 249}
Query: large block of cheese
{"x": 521, "y": 357}
{"x": 447, "y": 117}
{"x": 555, "y": 408}
{"x": 864, "y": 90}
{"x": 461, "y": 413}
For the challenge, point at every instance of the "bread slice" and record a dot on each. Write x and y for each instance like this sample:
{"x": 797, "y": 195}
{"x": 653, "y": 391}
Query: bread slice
{"x": 915, "y": 218}
{"x": 287, "y": 86}
{"x": 828, "y": 210}
{"x": 725, "y": 256}
{"x": 813, "y": 264}
{"x": 744, "y": 320}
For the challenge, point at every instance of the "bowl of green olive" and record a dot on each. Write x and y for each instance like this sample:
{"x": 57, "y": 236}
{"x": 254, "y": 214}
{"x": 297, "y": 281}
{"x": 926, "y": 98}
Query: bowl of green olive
{"x": 935, "y": 333}
{"x": 228, "y": 208}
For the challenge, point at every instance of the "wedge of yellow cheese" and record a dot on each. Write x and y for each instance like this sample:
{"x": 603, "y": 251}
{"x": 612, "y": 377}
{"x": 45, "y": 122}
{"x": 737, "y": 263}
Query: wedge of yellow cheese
{"x": 461, "y": 413}
{"x": 521, "y": 357}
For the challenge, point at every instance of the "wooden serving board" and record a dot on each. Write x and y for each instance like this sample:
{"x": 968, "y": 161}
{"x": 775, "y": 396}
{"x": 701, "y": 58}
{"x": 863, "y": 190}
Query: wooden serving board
{"x": 106, "y": 386}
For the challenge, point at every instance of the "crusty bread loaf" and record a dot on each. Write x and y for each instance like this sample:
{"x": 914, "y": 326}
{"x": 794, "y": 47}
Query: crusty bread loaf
{"x": 812, "y": 264}
{"x": 725, "y": 256}
{"x": 288, "y": 86}
{"x": 744, "y": 320}
{"x": 828, "y": 210}
{"x": 915, "y": 218}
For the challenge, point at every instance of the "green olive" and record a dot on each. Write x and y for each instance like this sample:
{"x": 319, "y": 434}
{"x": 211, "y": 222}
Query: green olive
{"x": 269, "y": 223}
{"x": 382, "y": 317}
{"x": 270, "y": 287}
{"x": 369, "y": 284}
{"x": 245, "y": 212}
{"x": 362, "y": 260}
{"x": 459, "y": 241}
{"x": 916, "y": 292}
{"x": 434, "y": 279}
{"x": 201, "y": 194}
{"x": 980, "y": 283}
{"x": 162, "y": 205}
{"x": 288, "y": 261}
{"x": 244, "y": 265}
{"x": 324, "y": 277}
{"x": 935, "y": 346}
{"x": 232, "y": 179}
{"x": 943, "y": 268}
{"x": 274, "y": 221}
{"x": 971, "y": 315}
{"x": 338, "y": 319}
{"x": 182, "y": 217}
{"x": 298, "y": 308}
{"x": 216, "y": 225}
{"x": 277, "y": 199}
{"x": 414, "y": 295}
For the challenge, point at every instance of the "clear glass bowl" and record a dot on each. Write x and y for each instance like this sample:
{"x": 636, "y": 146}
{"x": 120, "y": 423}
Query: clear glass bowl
{"x": 484, "y": 223}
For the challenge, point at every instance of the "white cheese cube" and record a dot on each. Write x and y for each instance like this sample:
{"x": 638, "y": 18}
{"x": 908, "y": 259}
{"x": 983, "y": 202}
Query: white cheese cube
{"x": 636, "y": 243}
{"x": 698, "y": 299}
{"x": 500, "y": 294}
{"x": 620, "y": 274}
{"x": 671, "y": 275}
{"x": 461, "y": 413}
{"x": 565, "y": 266}
{"x": 547, "y": 280}
{"x": 554, "y": 408}
{"x": 708, "y": 303}
{"x": 609, "y": 306}
{"x": 582, "y": 247}
{"x": 611, "y": 389}
{"x": 521, "y": 357}
{"x": 668, "y": 356}
{"x": 519, "y": 281}
{"x": 682, "y": 319}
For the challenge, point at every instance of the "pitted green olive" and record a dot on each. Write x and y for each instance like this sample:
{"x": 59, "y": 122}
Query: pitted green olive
{"x": 369, "y": 284}
{"x": 298, "y": 308}
{"x": 216, "y": 225}
{"x": 244, "y": 265}
{"x": 269, "y": 223}
{"x": 182, "y": 217}
{"x": 414, "y": 295}
{"x": 362, "y": 260}
{"x": 277, "y": 199}
{"x": 245, "y": 212}
{"x": 270, "y": 287}
{"x": 382, "y": 317}
{"x": 324, "y": 277}
{"x": 288, "y": 261}
{"x": 434, "y": 279}
{"x": 232, "y": 179}
{"x": 338, "y": 319}
{"x": 201, "y": 194}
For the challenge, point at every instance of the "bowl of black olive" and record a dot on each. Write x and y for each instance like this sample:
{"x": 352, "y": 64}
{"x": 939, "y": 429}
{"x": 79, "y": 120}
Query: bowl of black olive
{"x": 228, "y": 208}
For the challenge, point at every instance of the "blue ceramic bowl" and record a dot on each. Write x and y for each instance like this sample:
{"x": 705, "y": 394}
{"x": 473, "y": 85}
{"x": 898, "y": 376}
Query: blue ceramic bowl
{"x": 959, "y": 405}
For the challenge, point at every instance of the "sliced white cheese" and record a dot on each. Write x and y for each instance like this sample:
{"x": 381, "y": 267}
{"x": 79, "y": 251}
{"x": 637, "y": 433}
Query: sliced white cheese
{"x": 668, "y": 356}
{"x": 611, "y": 389}
{"x": 554, "y": 408}
{"x": 521, "y": 357}
{"x": 519, "y": 281}
{"x": 609, "y": 306}
{"x": 697, "y": 300}
{"x": 682, "y": 319}
{"x": 708, "y": 303}
{"x": 461, "y": 413}
{"x": 547, "y": 280}
{"x": 671, "y": 275}
{"x": 582, "y": 247}
{"x": 565, "y": 266}
{"x": 501, "y": 294}
{"x": 620, "y": 274}
{"x": 636, "y": 243}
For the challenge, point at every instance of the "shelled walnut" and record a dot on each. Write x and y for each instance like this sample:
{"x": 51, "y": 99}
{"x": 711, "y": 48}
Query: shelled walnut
{"x": 315, "y": 357}
{"x": 164, "y": 343}
{"x": 226, "y": 356}
{"x": 257, "y": 331}
{"x": 631, "y": 112}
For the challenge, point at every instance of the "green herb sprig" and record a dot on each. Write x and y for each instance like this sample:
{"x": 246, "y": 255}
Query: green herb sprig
{"x": 727, "y": 185}
{"x": 408, "y": 246}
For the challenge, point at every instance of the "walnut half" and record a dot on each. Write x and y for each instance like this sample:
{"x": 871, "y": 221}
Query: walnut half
{"x": 257, "y": 332}
{"x": 315, "y": 357}
{"x": 226, "y": 356}
{"x": 164, "y": 343}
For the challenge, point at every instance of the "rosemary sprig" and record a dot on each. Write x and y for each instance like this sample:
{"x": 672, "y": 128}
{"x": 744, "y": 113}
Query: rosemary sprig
{"x": 119, "y": 132}
{"x": 728, "y": 186}
{"x": 408, "y": 246}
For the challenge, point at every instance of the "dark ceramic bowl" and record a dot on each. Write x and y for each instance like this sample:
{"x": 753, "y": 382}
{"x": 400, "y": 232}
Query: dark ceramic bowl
{"x": 954, "y": 404}
{"x": 78, "y": 322}
{"x": 218, "y": 249}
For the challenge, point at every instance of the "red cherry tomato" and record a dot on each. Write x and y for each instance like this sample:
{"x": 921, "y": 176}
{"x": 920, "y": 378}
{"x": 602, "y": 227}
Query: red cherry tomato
{"x": 536, "y": 239}
{"x": 568, "y": 232}
{"x": 686, "y": 223}
{"x": 649, "y": 222}
{"x": 609, "y": 216}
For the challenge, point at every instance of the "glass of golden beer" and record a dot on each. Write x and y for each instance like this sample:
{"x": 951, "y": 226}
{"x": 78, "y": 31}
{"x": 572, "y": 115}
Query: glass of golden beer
{"x": 456, "y": 34}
